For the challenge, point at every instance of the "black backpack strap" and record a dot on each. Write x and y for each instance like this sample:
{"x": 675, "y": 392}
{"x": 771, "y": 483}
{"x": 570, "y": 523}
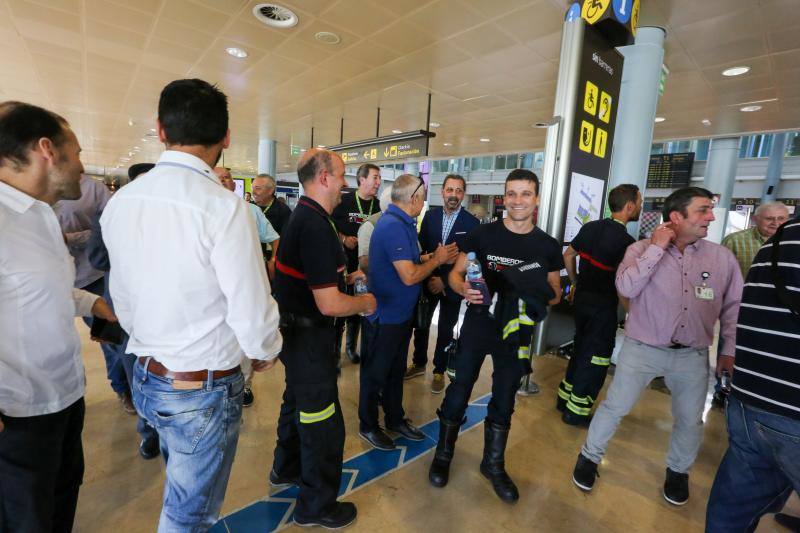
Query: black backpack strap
{"x": 788, "y": 298}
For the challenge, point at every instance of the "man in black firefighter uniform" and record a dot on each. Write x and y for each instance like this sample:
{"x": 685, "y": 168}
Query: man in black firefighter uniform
{"x": 355, "y": 208}
{"x": 498, "y": 246}
{"x": 310, "y": 290}
{"x": 601, "y": 245}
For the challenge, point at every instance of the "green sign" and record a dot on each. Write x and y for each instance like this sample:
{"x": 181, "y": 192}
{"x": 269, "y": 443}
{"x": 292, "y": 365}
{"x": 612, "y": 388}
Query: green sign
{"x": 296, "y": 150}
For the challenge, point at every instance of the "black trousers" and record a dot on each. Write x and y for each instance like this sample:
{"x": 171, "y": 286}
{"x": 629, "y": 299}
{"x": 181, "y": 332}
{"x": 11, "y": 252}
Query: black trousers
{"x": 353, "y": 322}
{"x": 595, "y": 331}
{"x": 383, "y": 370}
{"x": 41, "y": 471}
{"x": 480, "y": 335}
{"x": 310, "y": 426}
{"x": 448, "y": 317}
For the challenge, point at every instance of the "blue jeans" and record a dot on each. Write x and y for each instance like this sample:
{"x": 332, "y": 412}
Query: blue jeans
{"x": 198, "y": 431}
{"x": 759, "y": 470}
{"x": 112, "y": 353}
{"x": 145, "y": 430}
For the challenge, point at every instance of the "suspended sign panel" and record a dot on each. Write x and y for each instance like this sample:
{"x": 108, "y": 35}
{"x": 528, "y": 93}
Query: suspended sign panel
{"x": 593, "y": 130}
{"x": 407, "y": 145}
{"x": 669, "y": 171}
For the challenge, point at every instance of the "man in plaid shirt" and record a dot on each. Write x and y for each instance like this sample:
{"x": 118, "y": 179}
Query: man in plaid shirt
{"x": 744, "y": 244}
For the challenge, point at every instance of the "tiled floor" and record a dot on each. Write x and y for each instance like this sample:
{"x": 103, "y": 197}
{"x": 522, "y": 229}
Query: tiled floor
{"x": 122, "y": 492}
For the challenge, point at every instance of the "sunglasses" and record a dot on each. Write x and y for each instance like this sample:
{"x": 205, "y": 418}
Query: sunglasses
{"x": 421, "y": 184}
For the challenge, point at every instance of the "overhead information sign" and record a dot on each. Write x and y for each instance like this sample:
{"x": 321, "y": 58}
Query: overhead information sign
{"x": 669, "y": 171}
{"x": 593, "y": 129}
{"x": 384, "y": 151}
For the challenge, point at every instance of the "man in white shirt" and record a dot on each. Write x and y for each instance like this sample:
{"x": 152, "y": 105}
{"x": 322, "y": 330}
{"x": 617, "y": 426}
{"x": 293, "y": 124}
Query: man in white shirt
{"x": 266, "y": 235}
{"x": 41, "y": 372}
{"x": 189, "y": 287}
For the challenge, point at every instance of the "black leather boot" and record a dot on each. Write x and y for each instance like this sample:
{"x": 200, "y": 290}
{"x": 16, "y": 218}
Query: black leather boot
{"x": 439, "y": 472}
{"x": 493, "y": 466}
{"x": 352, "y": 341}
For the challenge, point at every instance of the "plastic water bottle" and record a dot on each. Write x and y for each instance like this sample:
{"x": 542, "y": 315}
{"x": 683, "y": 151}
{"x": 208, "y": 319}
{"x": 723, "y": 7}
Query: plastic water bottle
{"x": 475, "y": 278}
{"x": 360, "y": 287}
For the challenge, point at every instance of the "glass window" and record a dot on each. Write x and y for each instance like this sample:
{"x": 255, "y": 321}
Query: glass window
{"x": 657, "y": 148}
{"x": 526, "y": 160}
{"x": 512, "y": 161}
{"x": 499, "y": 162}
{"x": 701, "y": 153}
{"x": 793, "y": 144}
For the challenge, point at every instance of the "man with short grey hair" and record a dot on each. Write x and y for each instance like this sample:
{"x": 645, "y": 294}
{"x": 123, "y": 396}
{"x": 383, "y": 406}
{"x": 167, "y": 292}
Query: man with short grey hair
{"x": 396, "y": 276}
{"x": 744, "y": 244}
{"x": 277, "y": 213}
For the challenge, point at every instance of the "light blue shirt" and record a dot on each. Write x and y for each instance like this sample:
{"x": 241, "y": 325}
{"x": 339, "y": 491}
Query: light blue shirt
{"x": 447, "y": 222}
{"x": 266, "y": 233}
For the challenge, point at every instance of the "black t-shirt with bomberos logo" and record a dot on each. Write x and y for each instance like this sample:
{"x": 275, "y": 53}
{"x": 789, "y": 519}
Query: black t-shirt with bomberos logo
{"x": 497, "y": 248}
{"x": 348, "y": 216}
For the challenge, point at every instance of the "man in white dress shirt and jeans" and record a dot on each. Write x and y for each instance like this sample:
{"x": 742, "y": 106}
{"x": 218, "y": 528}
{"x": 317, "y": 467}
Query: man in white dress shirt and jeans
{"x": 42, "y": 379}
{"x": 189, "y": 287}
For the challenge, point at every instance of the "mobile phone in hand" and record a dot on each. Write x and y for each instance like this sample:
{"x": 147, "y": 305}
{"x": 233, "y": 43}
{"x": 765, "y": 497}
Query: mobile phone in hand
{"x": 106, "y": 331}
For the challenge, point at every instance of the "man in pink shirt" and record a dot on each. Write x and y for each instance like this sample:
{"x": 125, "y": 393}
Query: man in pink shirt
{"x": 678, "y": 285}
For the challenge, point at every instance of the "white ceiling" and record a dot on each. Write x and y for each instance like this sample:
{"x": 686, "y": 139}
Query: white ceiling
{"x": 491, "y": 66}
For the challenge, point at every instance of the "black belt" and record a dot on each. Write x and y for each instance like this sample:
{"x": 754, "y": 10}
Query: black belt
{"x": 291, "y": 320}
{"x": 677, "y": 346}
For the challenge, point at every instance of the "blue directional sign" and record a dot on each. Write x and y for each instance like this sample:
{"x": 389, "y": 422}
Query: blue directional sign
{"x": 623, "y": 10}
{"x": 276, "y": 510}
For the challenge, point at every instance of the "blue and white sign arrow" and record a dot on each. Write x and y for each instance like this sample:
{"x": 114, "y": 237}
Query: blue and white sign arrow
{"x": 277, "y": 510}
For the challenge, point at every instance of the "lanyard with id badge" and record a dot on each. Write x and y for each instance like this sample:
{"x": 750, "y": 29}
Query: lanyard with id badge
{"x": 703, "y": 291}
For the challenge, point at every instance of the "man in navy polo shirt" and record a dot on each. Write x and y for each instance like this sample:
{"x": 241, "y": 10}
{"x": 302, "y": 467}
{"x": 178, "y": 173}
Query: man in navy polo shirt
{"x": 397, "y": 271}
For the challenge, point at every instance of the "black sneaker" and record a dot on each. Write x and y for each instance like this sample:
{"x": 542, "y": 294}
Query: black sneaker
{"x": 378, "y": 439}
{"x": 149, "y": 448}
{"x": 572, "y": 419}
{"x": 585, "y": 473}
{"x": 676, "y": 487}
{"x": 341, "y": 515}
{"x": 277, "y": 481}
{"x": 408, "y": 430}
{"x": 247, "y": 397}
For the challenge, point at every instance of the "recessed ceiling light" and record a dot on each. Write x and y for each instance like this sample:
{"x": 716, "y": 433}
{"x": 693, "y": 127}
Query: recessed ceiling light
{"x": 153, "y": 130}
{"x": 320, "y": 146}
{"x": 236, "y": 52}
{"x": 448, "y": 144}
{"x": 136, "y": 148}
{"x": 397, "y": 131}
{"x": 144, "y": 139}
{"x": 735, "y": 71}
{"x": 706, "y": 122}
{"x": 750, "y": 108}
{"x": 327, "y": 37}
{"x": 485, "y": 139}
{"x": 660, "y": 119}
{"x": 287, "y": 165}
{"x": 435, "y": 124}
{"x": 130, "y": 122}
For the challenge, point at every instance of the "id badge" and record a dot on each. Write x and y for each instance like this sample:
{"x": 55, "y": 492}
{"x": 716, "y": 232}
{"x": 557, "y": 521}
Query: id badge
{"x": 704, "y": 293}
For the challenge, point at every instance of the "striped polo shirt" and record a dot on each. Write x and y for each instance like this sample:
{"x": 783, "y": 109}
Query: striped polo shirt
{"x": 767, "y": 370}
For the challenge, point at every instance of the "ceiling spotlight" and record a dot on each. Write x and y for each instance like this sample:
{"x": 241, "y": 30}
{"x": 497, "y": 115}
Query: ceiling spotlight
{"x": 130, "y": 122}
{"x": 153, "y": 130}
{"x": 144, "y": 139}
{"x": 660, "y": 119}
{"x": 447, "y": 144}
{"x": 136, "y": 148}
{"x": 287, "y": 165}
{"x": 397, "y": 131}
{"x": 485, "y": 139}
{"x": 735, "y": 71}
{"x": 236, "y": 52}
{"x": 320, "y": 146}
{"x": 750, "y": 108}
{"x": 435, "y": 124}
{"x": 706, "y": 122}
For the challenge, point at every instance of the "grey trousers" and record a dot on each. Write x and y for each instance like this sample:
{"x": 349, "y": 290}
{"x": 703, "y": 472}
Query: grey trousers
{"x": 685, "y": 373}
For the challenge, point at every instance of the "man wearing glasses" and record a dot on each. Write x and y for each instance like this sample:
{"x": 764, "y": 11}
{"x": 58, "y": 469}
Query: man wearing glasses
{"x": 396, "y": 275}
{"x": 744, "y": 244}
{"x": 446, "y": 226}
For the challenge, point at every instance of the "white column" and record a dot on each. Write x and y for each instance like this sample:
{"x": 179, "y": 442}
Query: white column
{"x": 267, "y": 156}
{"x": 723, "y": 157}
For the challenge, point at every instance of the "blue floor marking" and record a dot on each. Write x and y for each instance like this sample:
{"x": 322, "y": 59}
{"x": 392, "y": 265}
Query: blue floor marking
{"x": 277, "y": 510}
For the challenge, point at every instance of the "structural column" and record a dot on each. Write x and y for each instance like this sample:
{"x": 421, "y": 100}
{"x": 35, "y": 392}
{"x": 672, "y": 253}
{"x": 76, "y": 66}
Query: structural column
{"x": 267, "y": 149}
{"x": 774, "y": 167}
{"x": 638, "y": 99}
{"x": 723, "y": 157}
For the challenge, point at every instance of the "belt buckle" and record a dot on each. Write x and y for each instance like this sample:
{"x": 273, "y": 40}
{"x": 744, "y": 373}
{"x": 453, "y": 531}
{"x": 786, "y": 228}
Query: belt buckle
{"x": 179, "y": 384}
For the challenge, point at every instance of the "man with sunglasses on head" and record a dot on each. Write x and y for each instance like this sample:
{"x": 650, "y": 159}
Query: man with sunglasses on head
{"x": 396, "y": 276}
{"x": 446, "y": 226}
